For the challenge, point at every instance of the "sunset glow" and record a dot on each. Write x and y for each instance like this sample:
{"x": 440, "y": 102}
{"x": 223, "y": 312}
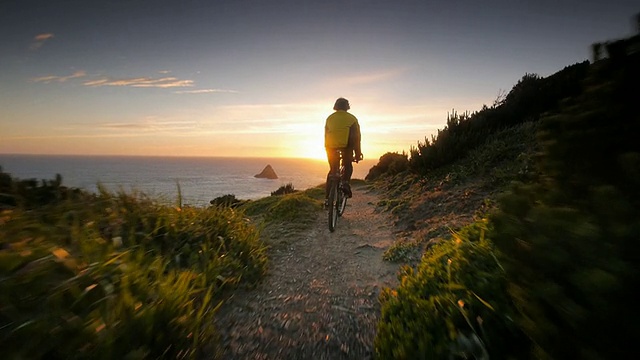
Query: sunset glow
{"x": 256, "y": 79}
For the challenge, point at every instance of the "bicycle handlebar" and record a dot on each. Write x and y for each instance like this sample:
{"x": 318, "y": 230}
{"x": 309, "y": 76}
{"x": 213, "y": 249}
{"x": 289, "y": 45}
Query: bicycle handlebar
{"x": 355, "y": 159}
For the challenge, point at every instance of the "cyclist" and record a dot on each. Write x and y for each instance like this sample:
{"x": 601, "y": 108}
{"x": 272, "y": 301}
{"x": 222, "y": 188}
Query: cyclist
{"x": 341, "y": 132}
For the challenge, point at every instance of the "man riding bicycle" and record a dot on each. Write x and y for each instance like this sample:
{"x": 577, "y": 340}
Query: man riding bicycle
{"x": 342, "y": 132}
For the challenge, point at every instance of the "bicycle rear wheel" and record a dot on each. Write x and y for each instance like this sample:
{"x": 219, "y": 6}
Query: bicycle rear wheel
{"x": 333, "y": 206}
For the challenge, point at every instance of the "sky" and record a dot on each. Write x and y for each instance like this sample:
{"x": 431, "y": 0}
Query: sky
{"x": 257, "y": 78}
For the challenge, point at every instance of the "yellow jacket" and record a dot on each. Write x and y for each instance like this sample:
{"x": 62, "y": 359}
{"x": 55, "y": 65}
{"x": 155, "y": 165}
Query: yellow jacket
{"x": 342, "y": 130}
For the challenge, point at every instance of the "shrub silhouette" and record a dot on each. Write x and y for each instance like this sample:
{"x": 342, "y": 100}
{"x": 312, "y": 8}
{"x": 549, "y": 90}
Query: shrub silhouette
{"x": 284, "y": 189}
{"x": 390, "y": 163}
{"x": 228, "y": 200}
{"x": 531, "y": 97}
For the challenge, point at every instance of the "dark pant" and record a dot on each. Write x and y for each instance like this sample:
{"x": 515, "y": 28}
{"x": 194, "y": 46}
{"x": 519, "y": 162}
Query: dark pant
{"x": 334, "y": 165}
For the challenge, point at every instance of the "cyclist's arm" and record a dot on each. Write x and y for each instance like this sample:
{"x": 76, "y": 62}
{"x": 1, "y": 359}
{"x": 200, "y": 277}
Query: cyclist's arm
{"x": 326, "y": 134}
{"x": 355, "y": 139}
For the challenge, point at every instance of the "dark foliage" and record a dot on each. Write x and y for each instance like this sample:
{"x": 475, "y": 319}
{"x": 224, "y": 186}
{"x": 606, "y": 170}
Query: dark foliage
{"x": 228, "y": 200}
{"x": 32, "y": 193}
{"x": 571, "y": 240}
{"x": 568, "y": 239}
{"x": 390, "y": 163}
{"x": 531, "y": 97}
{"x": 284, "y": 189}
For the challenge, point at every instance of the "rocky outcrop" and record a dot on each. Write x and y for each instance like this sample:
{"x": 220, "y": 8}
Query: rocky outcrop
{"x": 267, "y": 173}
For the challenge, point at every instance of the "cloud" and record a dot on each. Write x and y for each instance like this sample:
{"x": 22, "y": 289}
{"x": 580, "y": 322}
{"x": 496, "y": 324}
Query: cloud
{"x": 144, "y": 82}
{"x": 39, "y": 40}
{"x": 369, "y": 78}
{"x": 206, "y": 91}
{"x": 70, "y": 136}
{"x": 140, "y": 82}
{"x": 43, "y": 37}
{"x": 148, "y": 126}
{"x": 151, "y": 124}
{"x": 55, "y": 78}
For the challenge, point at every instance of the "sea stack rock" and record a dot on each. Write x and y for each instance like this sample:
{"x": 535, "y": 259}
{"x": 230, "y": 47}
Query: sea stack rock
{"x": 267, "y": 173}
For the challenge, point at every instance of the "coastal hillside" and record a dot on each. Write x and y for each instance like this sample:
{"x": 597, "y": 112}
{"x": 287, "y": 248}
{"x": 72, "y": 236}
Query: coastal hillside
{"x": 522, "y": 222}
{"x": 511, "y": 234}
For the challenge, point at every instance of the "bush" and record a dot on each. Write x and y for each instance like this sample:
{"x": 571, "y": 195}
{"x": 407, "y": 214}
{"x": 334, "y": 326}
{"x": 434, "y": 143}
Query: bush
{"x": 401, "y": 251}
{"x": 284, "y": 189}
{"x": 228, "y": 200}
{"x": 454, "y": 304}
{"x": 389, "y": 164}
{"x": 529, "y": 99}
{"x": 572, "y": 238}
{"x": 33, "y": 193}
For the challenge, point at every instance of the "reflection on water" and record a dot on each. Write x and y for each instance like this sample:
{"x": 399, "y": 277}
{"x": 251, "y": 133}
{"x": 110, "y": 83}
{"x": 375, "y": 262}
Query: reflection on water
{"x": 201, "y": 179}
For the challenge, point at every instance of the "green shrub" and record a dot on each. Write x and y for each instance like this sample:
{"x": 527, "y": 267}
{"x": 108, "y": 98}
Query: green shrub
{"x": 454, "y": 304}
{"x": 33, "y": 193}
{"x": 572, "y": 238}
{"x": 529, "y": 99}
{"x": 571, "y": 271}
{"x": 389, "y": 164}
{"x": 228, "y": 200}
{"x": 402, "y": 251}
{"x": 284, "y": 189}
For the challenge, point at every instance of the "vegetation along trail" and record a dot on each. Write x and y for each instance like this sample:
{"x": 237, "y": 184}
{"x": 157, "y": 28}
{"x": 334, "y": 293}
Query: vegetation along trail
{"x": 320, "y": 298}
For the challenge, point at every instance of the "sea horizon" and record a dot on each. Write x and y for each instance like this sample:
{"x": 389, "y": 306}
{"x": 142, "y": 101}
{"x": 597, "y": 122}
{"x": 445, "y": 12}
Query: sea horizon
{"x": 200, "y": 178}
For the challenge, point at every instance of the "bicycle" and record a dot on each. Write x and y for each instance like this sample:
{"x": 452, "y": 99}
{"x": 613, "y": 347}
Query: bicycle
{"x": 337, "y": 195}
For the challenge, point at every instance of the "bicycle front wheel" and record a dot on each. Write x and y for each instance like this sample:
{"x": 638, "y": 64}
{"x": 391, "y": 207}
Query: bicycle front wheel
{"x": 333, "y": 206}
{"x": 342, "y": 202}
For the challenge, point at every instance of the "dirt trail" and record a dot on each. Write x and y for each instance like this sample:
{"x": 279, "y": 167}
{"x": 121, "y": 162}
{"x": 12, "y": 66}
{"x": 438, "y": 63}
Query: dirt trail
{"x": 320, "y": 298}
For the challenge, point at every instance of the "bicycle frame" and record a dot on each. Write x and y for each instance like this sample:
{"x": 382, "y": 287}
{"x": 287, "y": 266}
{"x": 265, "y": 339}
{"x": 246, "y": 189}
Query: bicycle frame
{"x": 337, "y": 197}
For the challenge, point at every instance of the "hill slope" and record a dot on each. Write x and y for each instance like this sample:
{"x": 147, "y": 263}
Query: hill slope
{"x": 550, "y": 272}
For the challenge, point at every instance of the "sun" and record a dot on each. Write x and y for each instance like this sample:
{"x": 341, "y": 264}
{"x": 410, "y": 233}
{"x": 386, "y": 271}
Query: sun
{"x": 316, "y": 153}
{"x": 311, "y": 148}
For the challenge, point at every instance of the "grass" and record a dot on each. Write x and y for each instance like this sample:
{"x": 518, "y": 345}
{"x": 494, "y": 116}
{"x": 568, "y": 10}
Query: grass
{"x": 119, "y": 276}
{"x": 282, "y": 217}
{"x": 453, "y": 302}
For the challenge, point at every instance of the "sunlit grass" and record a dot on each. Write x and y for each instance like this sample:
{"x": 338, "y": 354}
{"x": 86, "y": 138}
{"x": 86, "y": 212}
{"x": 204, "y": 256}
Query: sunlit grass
{"x": 454, "y": 302}
{"x": 119, "y": 276}
{"x": 283, "y": 217}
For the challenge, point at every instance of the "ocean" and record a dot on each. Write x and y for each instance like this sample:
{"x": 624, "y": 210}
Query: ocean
{"x": 201, "y": 179}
